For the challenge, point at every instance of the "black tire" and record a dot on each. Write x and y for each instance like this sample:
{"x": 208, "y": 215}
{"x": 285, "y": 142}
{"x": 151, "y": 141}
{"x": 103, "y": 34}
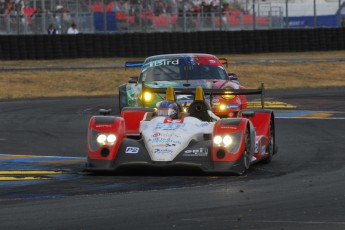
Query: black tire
{"x": 271, "y": 144}
{"x": 120, "y": 106}
{"x": 246, "y": 157}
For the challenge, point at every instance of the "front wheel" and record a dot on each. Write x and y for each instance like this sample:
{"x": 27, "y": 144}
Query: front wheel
{"x": 246, "y": 156}
{"x": 271, "y": 144}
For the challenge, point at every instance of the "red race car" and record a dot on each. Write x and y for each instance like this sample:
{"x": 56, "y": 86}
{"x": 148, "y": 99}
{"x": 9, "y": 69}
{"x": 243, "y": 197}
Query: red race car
{"x": 170, "y": 137}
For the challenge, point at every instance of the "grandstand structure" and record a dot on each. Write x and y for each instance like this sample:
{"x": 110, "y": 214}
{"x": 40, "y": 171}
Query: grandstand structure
{"x": 301, "y": 13}
{"x": 297, "y": 7}
{"x": 125, "y": 16}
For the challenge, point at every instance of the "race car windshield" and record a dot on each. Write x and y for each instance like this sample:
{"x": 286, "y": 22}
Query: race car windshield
{"x": 181, "y": 68}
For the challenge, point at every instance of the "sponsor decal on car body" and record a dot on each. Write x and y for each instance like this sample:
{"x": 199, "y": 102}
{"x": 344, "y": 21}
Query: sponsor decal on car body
{"x": 163, "y": 151}
{"x": 165, "y": 135}
{"x": 162, "y": 145}
{"x": 132, "y": 150}
{"x": 202, "y": 124}
{"x": 164, "y": 140}
{"x": 164, "y": 62}
{"x": 169, "y": 126}
{"x": 201, "y": 152}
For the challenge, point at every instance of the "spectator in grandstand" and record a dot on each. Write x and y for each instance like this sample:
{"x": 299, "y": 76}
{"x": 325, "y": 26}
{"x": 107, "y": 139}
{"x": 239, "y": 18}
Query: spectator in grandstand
{"x": 73, "y": 29}
{"x": 121, "y": 6}
{"x": 196, "y": 5}
{"x": 207, "y": 5}
{"x": 2, "y": 6}
{"x": 57, "y": 19}
{"x": 66, "y": 17}
{"x": 171, "y": 7}
{"x": 135, "y": 12}
{"x": 184, "y": 6}
{"x": 159, "y": 7}
{"x": 51, "y": 30}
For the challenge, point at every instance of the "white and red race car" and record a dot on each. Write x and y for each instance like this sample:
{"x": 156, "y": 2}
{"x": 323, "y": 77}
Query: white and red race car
{"x": 194, "y": 139}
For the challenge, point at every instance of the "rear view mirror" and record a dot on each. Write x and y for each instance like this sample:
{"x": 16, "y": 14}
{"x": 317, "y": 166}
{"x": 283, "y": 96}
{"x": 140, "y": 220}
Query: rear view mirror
{"x": 232, "y": 76}
{"x": 104, "y": 112}
{"x": 133, "y": 79}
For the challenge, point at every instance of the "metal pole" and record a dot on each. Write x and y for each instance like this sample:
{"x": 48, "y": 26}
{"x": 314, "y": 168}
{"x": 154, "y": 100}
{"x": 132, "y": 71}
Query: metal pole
{"x": 17, "y": 16}
{"x": 220, "y": 16}
{"x": 339, "y": 14}
{"x": 43, "y": 22}
{"x": 258, "y": 14}
{"x": 254, "y": 16}
{"x": 287, "y": 13}
{"x": 77, "y": 16}
{"x": 104, "y": 17}
{"x": 315, "y": 19}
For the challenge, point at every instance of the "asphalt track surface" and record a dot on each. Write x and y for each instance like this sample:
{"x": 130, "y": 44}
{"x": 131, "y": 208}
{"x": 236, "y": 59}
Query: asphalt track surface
{"x": 302, "y": 188}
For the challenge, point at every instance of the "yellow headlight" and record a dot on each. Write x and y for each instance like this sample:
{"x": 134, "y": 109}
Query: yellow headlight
{"x": 148, "y": 97}
{"x": 222, "y": 107}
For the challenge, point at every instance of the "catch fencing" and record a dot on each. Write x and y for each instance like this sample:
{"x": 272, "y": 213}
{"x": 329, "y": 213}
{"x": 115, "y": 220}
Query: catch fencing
{"x": 110, "y": 22}
{"x": 150, "y": 16}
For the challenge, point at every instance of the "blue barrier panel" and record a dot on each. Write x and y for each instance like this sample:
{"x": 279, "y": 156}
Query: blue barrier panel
{"x": 308, "y": 21}
{"x": 99, "y": 22}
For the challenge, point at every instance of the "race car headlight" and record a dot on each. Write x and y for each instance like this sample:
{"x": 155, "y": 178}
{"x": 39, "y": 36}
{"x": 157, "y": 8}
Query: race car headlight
{"x": 230, "y": 141}
{"x": 217, "y": 140}
{"x": 148, "y": 96}
{"x": 222, "y": 107}
{"x": 98, "y": 139}
{"x": 101, "y": 139}
{"x": 106, "y": 139}
{"x": 227, "y": 140}
{"x": 111, "y": 138}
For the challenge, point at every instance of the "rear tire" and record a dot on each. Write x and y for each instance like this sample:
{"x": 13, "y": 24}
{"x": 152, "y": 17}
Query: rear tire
{"x": 271, "y": 144}
{"x": 122, "y": 101}
{"x": 120, "y": 106}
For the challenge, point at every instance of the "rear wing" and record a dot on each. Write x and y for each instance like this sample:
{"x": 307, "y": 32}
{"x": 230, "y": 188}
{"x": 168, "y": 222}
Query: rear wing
{"x": 209, "y": 92}
{"x": 133, "y": 64}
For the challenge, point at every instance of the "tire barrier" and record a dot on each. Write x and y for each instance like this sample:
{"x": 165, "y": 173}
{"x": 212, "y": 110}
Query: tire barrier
{"x": 40, "y": 47}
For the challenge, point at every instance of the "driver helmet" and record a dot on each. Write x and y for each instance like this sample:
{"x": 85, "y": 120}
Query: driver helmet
{"x": 168, "y": 108}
